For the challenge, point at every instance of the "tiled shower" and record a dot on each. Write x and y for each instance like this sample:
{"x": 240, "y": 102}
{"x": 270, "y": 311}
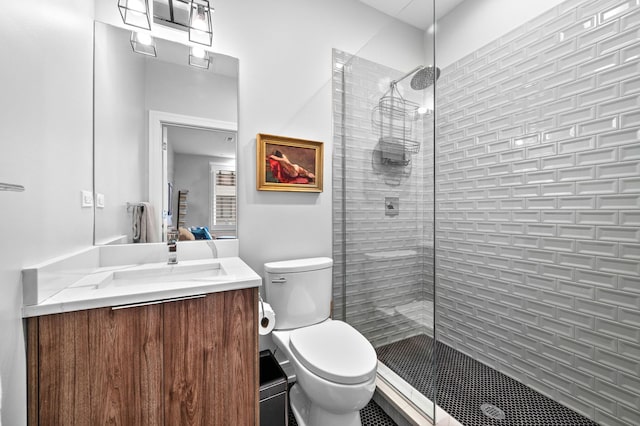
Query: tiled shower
{"x": 537, "y": 209}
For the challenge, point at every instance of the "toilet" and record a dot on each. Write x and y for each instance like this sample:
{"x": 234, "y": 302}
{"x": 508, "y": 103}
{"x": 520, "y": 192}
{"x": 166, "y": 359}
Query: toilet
{"x": 334, "y": 364}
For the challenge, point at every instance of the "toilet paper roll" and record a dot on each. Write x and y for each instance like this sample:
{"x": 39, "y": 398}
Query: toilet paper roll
{"x": 266, "y": 318}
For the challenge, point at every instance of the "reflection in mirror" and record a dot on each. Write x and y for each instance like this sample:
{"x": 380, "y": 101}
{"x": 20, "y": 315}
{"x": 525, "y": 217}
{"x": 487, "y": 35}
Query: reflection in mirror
{"x": 201, "y": 182}
{"x": 155, "y": 119}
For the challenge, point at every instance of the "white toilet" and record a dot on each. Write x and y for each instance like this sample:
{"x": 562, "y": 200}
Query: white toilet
{"x": 334, "y": 364}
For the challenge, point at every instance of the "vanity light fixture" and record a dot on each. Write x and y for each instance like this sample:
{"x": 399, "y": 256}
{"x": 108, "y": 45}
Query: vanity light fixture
{"x": 200, "y": 28}
{"x": 198, "y": 57}
{"x": 135, "y": 13}
{"x": 143, "y": 43}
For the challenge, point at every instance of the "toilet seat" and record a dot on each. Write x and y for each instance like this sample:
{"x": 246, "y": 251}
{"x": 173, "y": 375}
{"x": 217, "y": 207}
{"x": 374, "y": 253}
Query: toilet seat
{"x": 334, "y": 351}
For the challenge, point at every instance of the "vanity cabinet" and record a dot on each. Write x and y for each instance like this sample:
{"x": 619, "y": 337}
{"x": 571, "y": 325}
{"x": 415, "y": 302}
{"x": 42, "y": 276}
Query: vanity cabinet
{"x": 183, "y": 362}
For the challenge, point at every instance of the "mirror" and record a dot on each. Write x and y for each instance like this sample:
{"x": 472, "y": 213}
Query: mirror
{"x": 164, "y": 142}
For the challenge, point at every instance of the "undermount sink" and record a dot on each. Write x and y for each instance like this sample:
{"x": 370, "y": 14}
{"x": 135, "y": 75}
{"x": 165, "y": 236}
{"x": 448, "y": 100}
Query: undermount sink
{"x": 165, "y": 273}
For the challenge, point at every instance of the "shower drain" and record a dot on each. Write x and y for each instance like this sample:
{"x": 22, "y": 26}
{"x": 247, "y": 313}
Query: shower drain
{"x": 492, "y": 411}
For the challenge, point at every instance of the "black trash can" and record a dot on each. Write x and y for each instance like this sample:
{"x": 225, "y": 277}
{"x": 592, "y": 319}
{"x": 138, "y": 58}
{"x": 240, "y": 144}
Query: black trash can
{"x": 274, "y": 407}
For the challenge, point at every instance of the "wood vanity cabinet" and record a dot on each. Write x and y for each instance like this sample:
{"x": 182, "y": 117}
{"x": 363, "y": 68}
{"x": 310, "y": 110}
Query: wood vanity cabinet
{"x": 185, "y": 362}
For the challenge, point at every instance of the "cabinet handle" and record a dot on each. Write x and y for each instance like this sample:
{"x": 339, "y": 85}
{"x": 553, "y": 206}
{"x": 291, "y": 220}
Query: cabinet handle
{"x": 279, "y": 280}
{"x": 157, "y": 302}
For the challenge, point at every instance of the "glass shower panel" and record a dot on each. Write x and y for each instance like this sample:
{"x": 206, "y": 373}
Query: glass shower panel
{"x": 383, "y": 189}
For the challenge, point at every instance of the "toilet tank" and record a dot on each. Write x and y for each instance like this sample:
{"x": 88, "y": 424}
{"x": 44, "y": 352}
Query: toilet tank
{"x": 299, "y": 291}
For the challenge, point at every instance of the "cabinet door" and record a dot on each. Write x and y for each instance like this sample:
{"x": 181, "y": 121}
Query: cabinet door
{"x": 62, "y": 364}
{"x": 96, "y": 367}
{"x": 126, "y": 366}
{"x": 210, "y": 360}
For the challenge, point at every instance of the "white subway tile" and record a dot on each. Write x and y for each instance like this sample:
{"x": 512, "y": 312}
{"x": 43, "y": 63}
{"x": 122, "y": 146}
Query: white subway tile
{"x": 619, "y": 201}
{"x": 597, "y": 339}
{"x": 630, "y": 119}
{"x": 541, "y": 177}
{"x": 596, "y": 157}
{"x": 597, "y": 187}
{"x": 623, "y": 72}
{"x": 526, "y": 191}
{"x": 576, "y": 203}
{"x": 556, "y": 189}
{"x": 618, "y": 266}
{"x": 621, "y": 298}
{"x": 630, "y": 86}
{"x": 558, "y": 161}
{"x": 558, "y": 217}
{"x": 559, "y": 134}
{"x": 578, "y": 28}
{"x": 630, "y": 251}
{"x": 598, "y": 126}
{"x": 619, "y": 105}
{"x": 579, "y": 86}
{"x": 618, "y": 9}
{"x": 575, "y": 145}
{"x": 623, "y": 137}
{"x": 565, "y": 104}
{"x": 599, "y": 279}
{"x": 619, "y": 41}
{"x": 599, "y": 95}
{"x": 574, "y": 58}
{"x": 523, "y": 241}
{"x": 630, "y": 218}
{"x": 577, "y": 290}
{"x": 599, "y": 33}
{"x": 576, "y": 115}
{"x": 599, "y": 64}
{"x": 595, "y": 369}
{"x": 599, "y": 248}
{"x": 576, "y": 231}
{"x": 499, "y": 146}
{"x": 557, "y": 244}
{"x": 526, "y": 166}
{"x": 541, "y": 151}
{"x": 541, "y": 203}
{"x": 618, "y": 234}
{"x": 596, "y": 217}
{"x": 542, "y": 98}
{"x": 619, "y": 170}
{"x": 576, "y": 260}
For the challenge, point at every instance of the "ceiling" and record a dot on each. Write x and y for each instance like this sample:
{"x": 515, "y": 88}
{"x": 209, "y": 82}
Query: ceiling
{"x": 208, "y": 142}
{"x": 418, "y": 13}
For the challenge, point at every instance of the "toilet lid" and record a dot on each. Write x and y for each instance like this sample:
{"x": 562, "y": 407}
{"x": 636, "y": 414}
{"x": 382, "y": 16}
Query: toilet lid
{"x": 334, "y": 351}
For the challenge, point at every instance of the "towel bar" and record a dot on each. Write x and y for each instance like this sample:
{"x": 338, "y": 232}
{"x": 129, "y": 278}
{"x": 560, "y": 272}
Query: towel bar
{"x": 11, "y": 187}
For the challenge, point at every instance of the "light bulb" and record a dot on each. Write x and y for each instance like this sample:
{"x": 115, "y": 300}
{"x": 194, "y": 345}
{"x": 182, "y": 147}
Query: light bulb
{"x": 200, "y": 20}
{"x": 144, "y": 38}
{"x": 422, "y": 110}
{"x": 198, "y": 52}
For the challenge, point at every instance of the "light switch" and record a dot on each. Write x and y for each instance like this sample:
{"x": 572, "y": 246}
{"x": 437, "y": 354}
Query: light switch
{"x": 87, "y": 198}
{"x": 99, "y": 200}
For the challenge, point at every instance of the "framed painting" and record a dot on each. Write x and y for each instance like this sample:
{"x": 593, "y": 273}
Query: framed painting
{"x": 288, "y": 164}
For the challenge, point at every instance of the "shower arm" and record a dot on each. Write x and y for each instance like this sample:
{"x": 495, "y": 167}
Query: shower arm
{"x": 395, "y": 82}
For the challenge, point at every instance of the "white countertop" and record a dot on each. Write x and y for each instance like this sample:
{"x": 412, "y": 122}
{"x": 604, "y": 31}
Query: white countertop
{"x": 94, "y": 289}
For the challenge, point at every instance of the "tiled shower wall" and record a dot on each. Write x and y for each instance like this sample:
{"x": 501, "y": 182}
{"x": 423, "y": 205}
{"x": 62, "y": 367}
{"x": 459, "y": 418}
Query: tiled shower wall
{"x": 389, "y": 260}
{"x": 538, "y": 221}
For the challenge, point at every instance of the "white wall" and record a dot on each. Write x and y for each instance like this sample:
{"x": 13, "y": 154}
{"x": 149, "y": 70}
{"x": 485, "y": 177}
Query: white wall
{"x": 192, "y": 174}
{"x": 120, "y": 130}
{"x": 45, "y": 145}
{"x": 285, "y": 88}
{"x": 474, "y": 23}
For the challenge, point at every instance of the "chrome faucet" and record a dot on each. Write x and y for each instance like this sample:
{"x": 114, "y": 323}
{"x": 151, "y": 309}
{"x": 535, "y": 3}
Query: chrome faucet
{"x": 172, "y": 244}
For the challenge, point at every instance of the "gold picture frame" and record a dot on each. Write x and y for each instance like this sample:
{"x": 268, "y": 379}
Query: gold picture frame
{"x": 288, "y": 164}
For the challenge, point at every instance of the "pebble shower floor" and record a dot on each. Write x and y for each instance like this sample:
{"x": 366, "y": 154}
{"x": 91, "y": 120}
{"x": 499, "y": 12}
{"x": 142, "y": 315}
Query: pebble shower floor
{"x": 464, "y": 385}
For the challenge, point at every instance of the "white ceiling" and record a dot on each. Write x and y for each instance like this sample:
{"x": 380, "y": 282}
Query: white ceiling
{"x": 418, "y": 13}
{"x": 208, "y": 142}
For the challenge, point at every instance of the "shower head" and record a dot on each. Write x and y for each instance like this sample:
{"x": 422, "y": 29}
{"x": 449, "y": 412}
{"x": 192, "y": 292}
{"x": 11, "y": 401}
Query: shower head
{"x": 425, "y": 77}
